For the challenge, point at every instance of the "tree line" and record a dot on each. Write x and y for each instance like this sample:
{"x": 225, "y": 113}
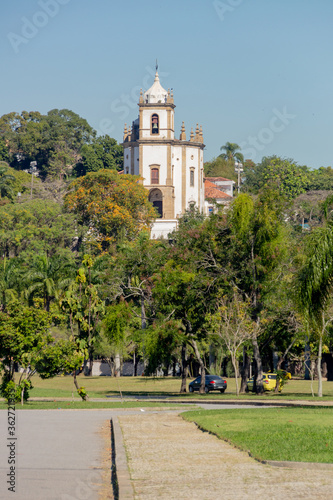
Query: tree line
{"x": 80, "y": 278}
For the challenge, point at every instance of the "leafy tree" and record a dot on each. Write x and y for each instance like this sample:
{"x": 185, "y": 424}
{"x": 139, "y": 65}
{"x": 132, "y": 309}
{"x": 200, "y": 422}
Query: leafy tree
{"x": 37, "y": 226}
{"x": 232, "y": 323}
{"x": 314, "y": 286}
{"x": 321, "y": 179}
{"x": 23, "y": 333}
{"x": 180, "y": 293}
{"x": 257, "y": 253}
{"x": 116, "y": 333}
{"x": 284, "y": 175}
{"x": 61, "y": 356}
{"x": 6, "y": 181}
{"x": 53, "y": 140}
{"x": 48, "y": 277}
{"x": 84, "y": 308}
{"x": 4, "y": 151}
{"x": 221, "y": 167}
{"x": 113, "y": 206}
{"x": 162, "y": 341}
{"x": 104, "y": 152}
{"x": 9, "y": 281}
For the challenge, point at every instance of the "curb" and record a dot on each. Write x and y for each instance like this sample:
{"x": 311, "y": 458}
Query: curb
{"x": 121, "y": 480}
{"x": 299, "y": 465}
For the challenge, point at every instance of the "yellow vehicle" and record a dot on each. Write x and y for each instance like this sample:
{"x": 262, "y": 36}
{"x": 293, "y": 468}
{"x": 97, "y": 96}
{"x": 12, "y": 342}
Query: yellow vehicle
{"x": 269, "y": 382}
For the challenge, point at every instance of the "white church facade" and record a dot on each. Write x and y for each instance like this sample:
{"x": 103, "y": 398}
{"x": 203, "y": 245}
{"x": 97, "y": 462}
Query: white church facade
{"x": 171, "y": 169}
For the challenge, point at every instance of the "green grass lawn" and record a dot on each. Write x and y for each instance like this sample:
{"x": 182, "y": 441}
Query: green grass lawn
{"x": 99, "y": 387}
{"x": 289, "y": 434}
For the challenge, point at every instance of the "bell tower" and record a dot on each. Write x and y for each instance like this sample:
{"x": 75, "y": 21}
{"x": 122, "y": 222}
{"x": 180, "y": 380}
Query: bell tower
{"x": 170, "y": 169}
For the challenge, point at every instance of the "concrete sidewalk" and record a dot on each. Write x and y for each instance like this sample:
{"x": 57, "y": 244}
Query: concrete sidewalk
{"x": 59, "y": 455}
{"x": 170, "y": 459}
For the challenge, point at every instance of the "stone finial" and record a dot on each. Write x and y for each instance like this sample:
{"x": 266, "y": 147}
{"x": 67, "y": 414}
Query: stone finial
{"x": 201, "y": 134}
{"x": 182, "y": 133}
{"x": 141, "y": 96}
{"x": 197, "y": 138}
{"x": 192, "y": 135}
{"x": 125, "y": 132}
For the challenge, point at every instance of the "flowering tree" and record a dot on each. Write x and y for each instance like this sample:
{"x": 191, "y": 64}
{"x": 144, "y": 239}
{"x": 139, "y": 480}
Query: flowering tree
{"x": 111, "y": 205}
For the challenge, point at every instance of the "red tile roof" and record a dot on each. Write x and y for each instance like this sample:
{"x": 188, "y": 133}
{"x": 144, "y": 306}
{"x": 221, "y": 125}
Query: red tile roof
{"x": 215, "y": 179}
{"x": 212, "y": 191}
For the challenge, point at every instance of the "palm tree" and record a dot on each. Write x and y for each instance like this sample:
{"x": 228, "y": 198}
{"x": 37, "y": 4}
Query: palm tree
{"x": 9, "y": 281}
{"x": 6, "y": 180}
{"x": 315, "y": 284}
{"x": 48, "y": 277}
{"x": 231, "y": 152}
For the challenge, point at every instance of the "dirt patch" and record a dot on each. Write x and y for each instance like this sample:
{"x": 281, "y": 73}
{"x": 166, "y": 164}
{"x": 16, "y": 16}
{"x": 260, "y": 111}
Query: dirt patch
{"x": 170, "y": 459}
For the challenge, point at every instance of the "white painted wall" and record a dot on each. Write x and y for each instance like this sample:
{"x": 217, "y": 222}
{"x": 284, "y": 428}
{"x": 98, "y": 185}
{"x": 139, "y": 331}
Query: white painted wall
{"x": 154, "y": 155}
{"x": 161, "y": 228}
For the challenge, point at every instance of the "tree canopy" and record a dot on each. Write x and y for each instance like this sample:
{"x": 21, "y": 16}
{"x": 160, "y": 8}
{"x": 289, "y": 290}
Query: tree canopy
{"x": 111, "y": 205}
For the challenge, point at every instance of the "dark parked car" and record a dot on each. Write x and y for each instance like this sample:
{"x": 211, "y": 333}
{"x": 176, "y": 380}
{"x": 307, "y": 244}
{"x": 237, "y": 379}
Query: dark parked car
{"x": 212, "y": 383}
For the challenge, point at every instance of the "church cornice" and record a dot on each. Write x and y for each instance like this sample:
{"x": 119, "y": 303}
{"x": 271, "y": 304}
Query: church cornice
{"x": 158, "y": 105}
{"x": 172, "y": 142}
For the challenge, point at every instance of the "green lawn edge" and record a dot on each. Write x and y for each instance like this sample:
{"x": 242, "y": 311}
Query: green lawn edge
{"x": 300, "y": 434}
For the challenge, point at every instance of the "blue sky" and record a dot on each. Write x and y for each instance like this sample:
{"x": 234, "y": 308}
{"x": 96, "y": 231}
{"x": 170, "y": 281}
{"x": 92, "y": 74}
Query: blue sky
{"x": 255, "y": 72}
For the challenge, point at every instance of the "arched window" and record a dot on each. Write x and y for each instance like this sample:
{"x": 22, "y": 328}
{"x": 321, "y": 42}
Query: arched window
{"x": 155, "y": 176}
{"x": 155, "y": 197}
{"x": 192, "y": 177}
{"x": 154, "y": 124}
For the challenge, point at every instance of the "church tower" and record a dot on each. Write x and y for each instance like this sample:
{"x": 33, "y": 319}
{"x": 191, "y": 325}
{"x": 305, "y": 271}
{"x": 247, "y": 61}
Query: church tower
{"x": 171, "y": 169}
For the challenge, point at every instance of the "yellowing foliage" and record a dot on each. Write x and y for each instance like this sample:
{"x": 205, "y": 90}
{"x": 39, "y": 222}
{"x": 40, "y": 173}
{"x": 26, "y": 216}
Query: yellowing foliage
{"x": 110, "y": 204}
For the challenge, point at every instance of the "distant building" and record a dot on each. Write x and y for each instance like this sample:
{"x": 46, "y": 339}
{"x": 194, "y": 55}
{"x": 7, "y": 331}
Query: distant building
{"x": 217, "y": 192}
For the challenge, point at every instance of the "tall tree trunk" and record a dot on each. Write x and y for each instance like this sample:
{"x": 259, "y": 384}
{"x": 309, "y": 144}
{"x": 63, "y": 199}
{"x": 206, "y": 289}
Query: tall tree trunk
{"x": 235, "y": 365}
{"x": 320, "y": 378}
{"x": 202, "y": 367}
{"x": 117, "y": 365}
{"x": 307, "y": 360}
{"x": 143, "y": 327}
{"x": 183, "y": 369}
{"x": 258, "y": 379}
{"x": 245, "y": 370}
{"x": 212, "y": 358}
{"x": 77, "y": 386}
{"x": 90, "y": 364}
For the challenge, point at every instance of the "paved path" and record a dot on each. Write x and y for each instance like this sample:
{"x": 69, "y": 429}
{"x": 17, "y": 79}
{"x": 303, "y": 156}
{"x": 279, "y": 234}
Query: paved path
{"x": 59, "y": 455}
{"x": 172, "y": 459}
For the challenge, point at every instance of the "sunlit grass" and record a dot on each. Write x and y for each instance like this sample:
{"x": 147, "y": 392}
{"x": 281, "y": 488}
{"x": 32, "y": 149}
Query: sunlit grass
{"x": 63, "y": 386}
{"x": 168, "y": 387}
{"x": 300, "y": 434}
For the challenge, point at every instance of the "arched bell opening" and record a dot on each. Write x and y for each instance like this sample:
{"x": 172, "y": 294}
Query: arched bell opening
{"x": 155, "y": 128}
